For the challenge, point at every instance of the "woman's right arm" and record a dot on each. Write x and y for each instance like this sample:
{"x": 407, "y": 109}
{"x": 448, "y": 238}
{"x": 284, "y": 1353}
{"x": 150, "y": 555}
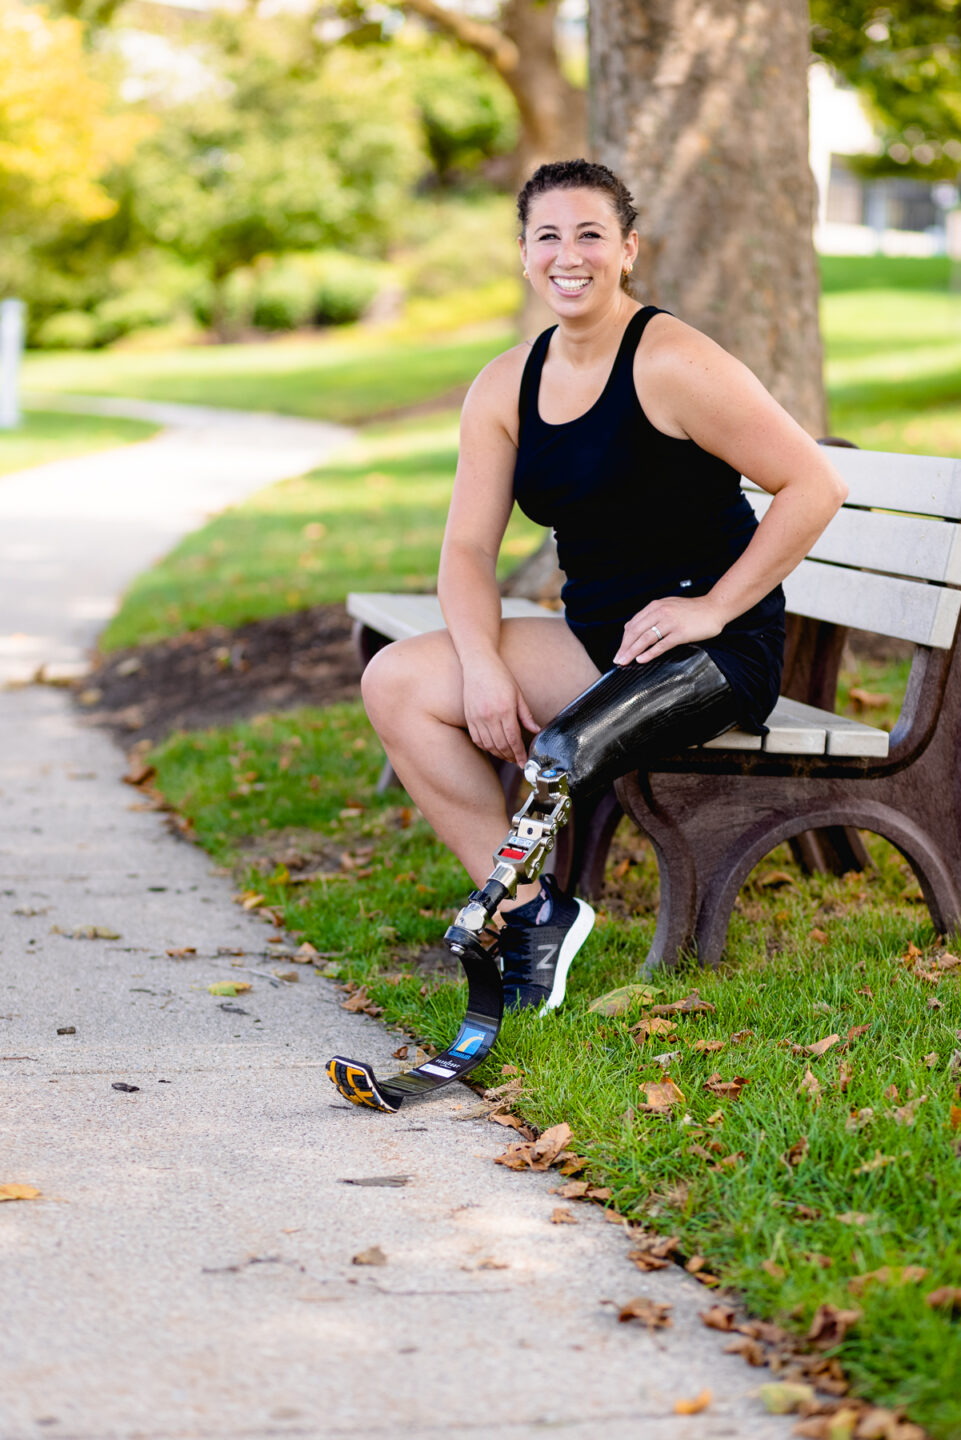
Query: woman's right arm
{"x": 495, "y": 709}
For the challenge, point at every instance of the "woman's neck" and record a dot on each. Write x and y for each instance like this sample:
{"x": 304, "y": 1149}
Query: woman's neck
{"x": 582, "y": 342}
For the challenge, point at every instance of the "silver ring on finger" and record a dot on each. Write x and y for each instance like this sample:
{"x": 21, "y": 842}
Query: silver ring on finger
{"x": 657, "y": 632}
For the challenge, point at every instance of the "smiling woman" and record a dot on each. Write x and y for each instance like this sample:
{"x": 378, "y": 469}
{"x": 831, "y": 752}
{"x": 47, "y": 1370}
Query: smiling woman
{"x": 627, "y": 432}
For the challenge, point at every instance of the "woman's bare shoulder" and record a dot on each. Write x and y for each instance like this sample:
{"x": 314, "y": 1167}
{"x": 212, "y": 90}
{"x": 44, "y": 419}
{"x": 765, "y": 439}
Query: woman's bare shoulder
{"x": 494, "y": 394}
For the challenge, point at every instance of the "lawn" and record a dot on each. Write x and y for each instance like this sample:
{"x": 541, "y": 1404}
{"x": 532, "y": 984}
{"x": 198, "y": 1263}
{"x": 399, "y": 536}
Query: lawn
{"x": 51, "y": 435}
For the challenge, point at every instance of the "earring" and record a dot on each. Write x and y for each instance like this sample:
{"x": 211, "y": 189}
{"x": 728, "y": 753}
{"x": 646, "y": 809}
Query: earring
{"x": 628, "y": 268}
{"x": 526, "y": 276}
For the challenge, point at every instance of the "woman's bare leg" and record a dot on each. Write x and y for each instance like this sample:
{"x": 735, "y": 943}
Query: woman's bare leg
{"x": 413, "y": 691}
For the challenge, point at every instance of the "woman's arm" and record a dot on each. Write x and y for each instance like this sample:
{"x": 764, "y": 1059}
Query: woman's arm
{"x": 693, "y": 389}
{"x": 483, "y": 496}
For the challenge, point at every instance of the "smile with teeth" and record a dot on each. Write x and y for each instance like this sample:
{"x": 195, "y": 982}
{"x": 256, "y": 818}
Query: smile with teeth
{"x": 571, "y": 284}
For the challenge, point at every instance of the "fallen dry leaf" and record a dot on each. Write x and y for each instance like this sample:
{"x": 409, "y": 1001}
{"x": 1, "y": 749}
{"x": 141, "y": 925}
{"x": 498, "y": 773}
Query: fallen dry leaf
{"x": 844, "y": 1076}
{"x": 561, "y": 1216}
{"x": 87, "y": 932}
{"x": 361, "y": 1002}
{"x": 858, "y": 1119}
{"x": 716, "y": 1117}
{"x": 907, "y": 1114}
{"x": 784, "y": 1397}
{"x": 811, "y": 1087}
{"x": 229, "y": 987}
{"x": 401, "y": 1052}
{"x": 651, "y": 1025}
{"x": 725, "y": 1089}
{"x": 305, "y": 954}
{"x": 774, "y": 879}
{"x": 537, "y": 1154}
{"x": 653, "y": 1252}
{"x": 931, "y": 1059}
{"x": 691, "y": 1005}
{"x": 11, "y": 1191}
{"x": 719, "y": 1317}
{"x": 830, "y": 1325}
{"x": 182, "y": 951}
{"x": 796, "y": 1153}
{"x": 948, "y": 961}
{"x": 695, "y": 1406}
{"x": 821, "y": 936}
{"x": 821, "y": 1047}
{"x": 823, "y": 1262}
{"x": 708, "y": 1046}
{"x": 649, "y": 1312}
{"x": 878, "y": 1163}
{"x": 660, "y": 1096}
{"x": 373, "y": 1256}
{"x": 868, "y": 699}
{"x": 573, "y": 1190}
{"x": 853, "y": 1217}
{"x": 750, "y": 1350}
{"x": 946, "y": 1297}
{"x": 619, "y": 1001}
{"x": 772, "y": 1268}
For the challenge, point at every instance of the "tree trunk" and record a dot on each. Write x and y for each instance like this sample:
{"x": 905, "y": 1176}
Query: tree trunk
{"x": 701, "y": 106}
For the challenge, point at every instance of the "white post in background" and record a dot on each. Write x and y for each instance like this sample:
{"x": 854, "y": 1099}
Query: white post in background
{"x": 12, "y": 314}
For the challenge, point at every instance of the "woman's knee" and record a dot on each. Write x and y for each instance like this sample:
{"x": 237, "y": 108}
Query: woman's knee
{"x": 401, "y": 681}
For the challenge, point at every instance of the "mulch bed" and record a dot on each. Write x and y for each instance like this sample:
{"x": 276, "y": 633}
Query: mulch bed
{"x": 212, "y": 677}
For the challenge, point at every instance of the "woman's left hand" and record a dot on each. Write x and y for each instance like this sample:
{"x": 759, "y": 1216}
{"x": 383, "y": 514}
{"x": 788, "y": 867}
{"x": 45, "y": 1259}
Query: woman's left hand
{"x": 676, "y": 620}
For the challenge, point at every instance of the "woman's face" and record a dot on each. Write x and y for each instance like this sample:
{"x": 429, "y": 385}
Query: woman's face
{"x": 573, "y": 250}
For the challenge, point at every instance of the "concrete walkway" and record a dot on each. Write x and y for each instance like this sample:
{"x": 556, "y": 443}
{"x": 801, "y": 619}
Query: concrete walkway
{"x": 187, "y": 1271}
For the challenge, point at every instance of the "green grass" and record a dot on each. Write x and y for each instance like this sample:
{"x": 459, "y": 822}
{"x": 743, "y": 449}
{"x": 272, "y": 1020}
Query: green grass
{"x": 307, "y": 780}
{"x": 350, "y": 376}
{"x": 51, "y": 435}
{"x": 372, "y": 520}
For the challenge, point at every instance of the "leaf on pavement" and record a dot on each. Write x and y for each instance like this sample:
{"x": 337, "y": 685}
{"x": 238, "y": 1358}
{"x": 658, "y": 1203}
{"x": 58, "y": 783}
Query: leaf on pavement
{"x": 653, "y": 1252}
{"x": 229, "y": 987}
{"x": 649, "y": 1312}
{"x": 749, "y": 1349}
{"x": 619, "y": 1001}
{"x": 562, "y": 1216}
{"x": 783, "y": 1397}
{"x": 830, "y": 1325}
{"x": 182, "y": 952}
{"x": 538, "y": 1154}
{"x": 719, "y": 1317}
{"x": 572, "y": 1189}
{"x": 87, "y": 932}
{"x": 695, "y": 1405}
{"x": 360, "y": 1002}
{"x": 11, "y": 1191}
{"x": 373, "y": 1256}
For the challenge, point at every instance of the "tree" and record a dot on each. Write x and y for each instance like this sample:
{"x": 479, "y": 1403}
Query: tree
{"x": 701, "y": 105}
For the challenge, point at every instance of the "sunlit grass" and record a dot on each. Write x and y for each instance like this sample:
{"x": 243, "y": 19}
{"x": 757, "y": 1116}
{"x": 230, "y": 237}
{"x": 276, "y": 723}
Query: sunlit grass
{"x": 46, "y": 435}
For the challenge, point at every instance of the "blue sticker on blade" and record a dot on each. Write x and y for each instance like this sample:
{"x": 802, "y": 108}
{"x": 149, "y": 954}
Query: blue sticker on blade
{"x": 468, "y": 1042}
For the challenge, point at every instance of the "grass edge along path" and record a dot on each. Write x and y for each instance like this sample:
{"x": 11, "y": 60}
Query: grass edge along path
{"x": 808, "y": 1146}
{"x": 47, "y": 435}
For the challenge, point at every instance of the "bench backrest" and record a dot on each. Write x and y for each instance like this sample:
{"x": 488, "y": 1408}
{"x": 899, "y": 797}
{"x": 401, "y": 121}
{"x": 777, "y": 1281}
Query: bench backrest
{"x": 890, "y": 560}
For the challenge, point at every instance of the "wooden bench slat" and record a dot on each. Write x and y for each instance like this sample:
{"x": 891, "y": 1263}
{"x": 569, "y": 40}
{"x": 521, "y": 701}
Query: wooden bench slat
{"x": 926, "y": 549}
{"x": 844, "y": 735}
{"x": 916, "y": 484}
{"x": 884, "y": 604}
{"x": 400, "y": 616}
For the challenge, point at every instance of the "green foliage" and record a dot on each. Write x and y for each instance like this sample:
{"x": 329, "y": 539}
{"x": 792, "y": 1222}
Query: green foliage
{"x": 66, "y": 330}
{"x": 905, "y": 57}
{"x": 467, "y": 113}
{"x": 282, "y": 293}
{"x": 470, "y": 243}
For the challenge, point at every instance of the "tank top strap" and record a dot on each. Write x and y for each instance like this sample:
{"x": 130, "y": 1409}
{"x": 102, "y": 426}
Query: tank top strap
{"x": 531, "y": 379}
{"x": 632, "y": 336}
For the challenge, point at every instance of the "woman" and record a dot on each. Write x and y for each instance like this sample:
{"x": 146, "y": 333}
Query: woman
{"x": 628, "y": 431}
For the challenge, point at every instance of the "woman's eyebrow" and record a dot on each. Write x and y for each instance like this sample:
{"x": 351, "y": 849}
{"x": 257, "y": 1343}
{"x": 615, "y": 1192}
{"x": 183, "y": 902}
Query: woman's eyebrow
{"x": 581, "y": 225}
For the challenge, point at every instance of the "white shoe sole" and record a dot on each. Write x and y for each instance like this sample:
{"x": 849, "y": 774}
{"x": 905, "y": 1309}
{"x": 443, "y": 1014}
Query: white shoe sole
{"x": 573, "y": 941}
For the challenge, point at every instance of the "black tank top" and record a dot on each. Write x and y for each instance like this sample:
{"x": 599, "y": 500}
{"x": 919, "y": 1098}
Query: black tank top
{"x": 638, "y": 515}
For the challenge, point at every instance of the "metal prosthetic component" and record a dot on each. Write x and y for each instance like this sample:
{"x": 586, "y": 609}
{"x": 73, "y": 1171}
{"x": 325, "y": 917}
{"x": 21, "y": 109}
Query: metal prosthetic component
{"x": 520, "y": 858}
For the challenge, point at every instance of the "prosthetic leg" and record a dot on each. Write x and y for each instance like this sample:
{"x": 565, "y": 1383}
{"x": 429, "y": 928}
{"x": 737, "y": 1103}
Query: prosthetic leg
{"x": 628, "y": 715}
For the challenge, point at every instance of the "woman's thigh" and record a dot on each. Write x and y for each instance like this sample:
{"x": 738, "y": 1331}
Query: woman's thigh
{"x": 424, "y": 673}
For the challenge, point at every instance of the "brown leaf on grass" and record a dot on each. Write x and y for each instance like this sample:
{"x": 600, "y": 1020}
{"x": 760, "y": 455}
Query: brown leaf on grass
{"x": 954, "y": 1118}
{"x": 946, "y": 1297}
{"x": 182, "y": 952}
{"x": 649, "y": 1312}
{"x": 821, "y": 936}
{"x": 725, "y": 1089}
{"x": 772, "y": 1268}
{"x": 537, "y": 1154}
{"x": 912, "y": 955}
{"x": 708, "y": 1046}
{"x": 373, "y": 1256}
{"x": 600, "y": 1192}
{"x": 695, "y": 1405}
{"x": 844, "y": 1076}
{"x": 853, "y": 1217}
{"x": 740, "y": 1036}
{"x": 931, "y": 1059}
{"x": 878, "y": 1163}
{"x": 650, "y": 1025}
{"x": 856, "y": 1031}
{"x": 561, "y": 1216}
{"x": 796, "y": 1152}
{"x": 659, "y": 1096}
{"x": 807, "y": 1212}
{"x": 813, "y": 1257}
{"x": 811, "y": 1087}
{"x": 12, "y": 1191}
{"x": 719, "y": 1317}
{"x": 716, "y": 1117}
{"x": 948, "y": 961}
{"x": 695, "y": 1264}
{"x": 361, "y": 1002}
{"x": 691, "y": 1005}
{"x": 830, "y": 1325}
{"x": 305, "y": 954}
{"x": 858, "y": 1119}
{"x": 619, "y": 1001}
{"x": 821, "y": 1047}
{"x": 908, "y": 1113}
{"x": 750, "y": 1350}
{"x": 887, "y": 1275}
{"x": 868, "y": 699}
{"x": 773, "y": 880}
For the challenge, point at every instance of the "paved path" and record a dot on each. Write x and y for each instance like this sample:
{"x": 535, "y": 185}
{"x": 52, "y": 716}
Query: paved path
{"x": 187, "y": 1272}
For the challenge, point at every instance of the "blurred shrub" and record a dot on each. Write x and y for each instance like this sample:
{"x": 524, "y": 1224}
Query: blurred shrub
{"x": 132, "y": 310}
{"x": 459, "y": 245}
{"x": 69, "y": 330}
{"x": 325, "y": 287}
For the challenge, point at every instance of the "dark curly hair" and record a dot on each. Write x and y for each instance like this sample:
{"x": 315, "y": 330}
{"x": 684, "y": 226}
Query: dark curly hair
{"x": 578, "y": 175}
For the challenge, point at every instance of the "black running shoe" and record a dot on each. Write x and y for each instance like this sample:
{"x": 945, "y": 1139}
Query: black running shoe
{"x": 537, "y": 944}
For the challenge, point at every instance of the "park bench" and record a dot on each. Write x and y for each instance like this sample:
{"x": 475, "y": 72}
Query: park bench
{"x": 889, "y": 563}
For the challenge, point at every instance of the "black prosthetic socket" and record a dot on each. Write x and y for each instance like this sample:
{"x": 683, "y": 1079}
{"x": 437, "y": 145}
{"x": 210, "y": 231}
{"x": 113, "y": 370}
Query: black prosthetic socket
{"x": 634, "y": 714}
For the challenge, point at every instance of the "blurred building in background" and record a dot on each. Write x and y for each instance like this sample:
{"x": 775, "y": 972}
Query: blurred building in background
{"x": 857, "y": 215}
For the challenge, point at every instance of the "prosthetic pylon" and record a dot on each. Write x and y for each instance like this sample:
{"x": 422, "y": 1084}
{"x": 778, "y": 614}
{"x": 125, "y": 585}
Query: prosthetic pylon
{"x": 520, "y": 858}
{"x": 628, "y": 714}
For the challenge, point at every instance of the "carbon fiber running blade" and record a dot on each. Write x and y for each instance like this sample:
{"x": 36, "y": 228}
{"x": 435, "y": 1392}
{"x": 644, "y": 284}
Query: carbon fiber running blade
{"x": 474, "y": 1041}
